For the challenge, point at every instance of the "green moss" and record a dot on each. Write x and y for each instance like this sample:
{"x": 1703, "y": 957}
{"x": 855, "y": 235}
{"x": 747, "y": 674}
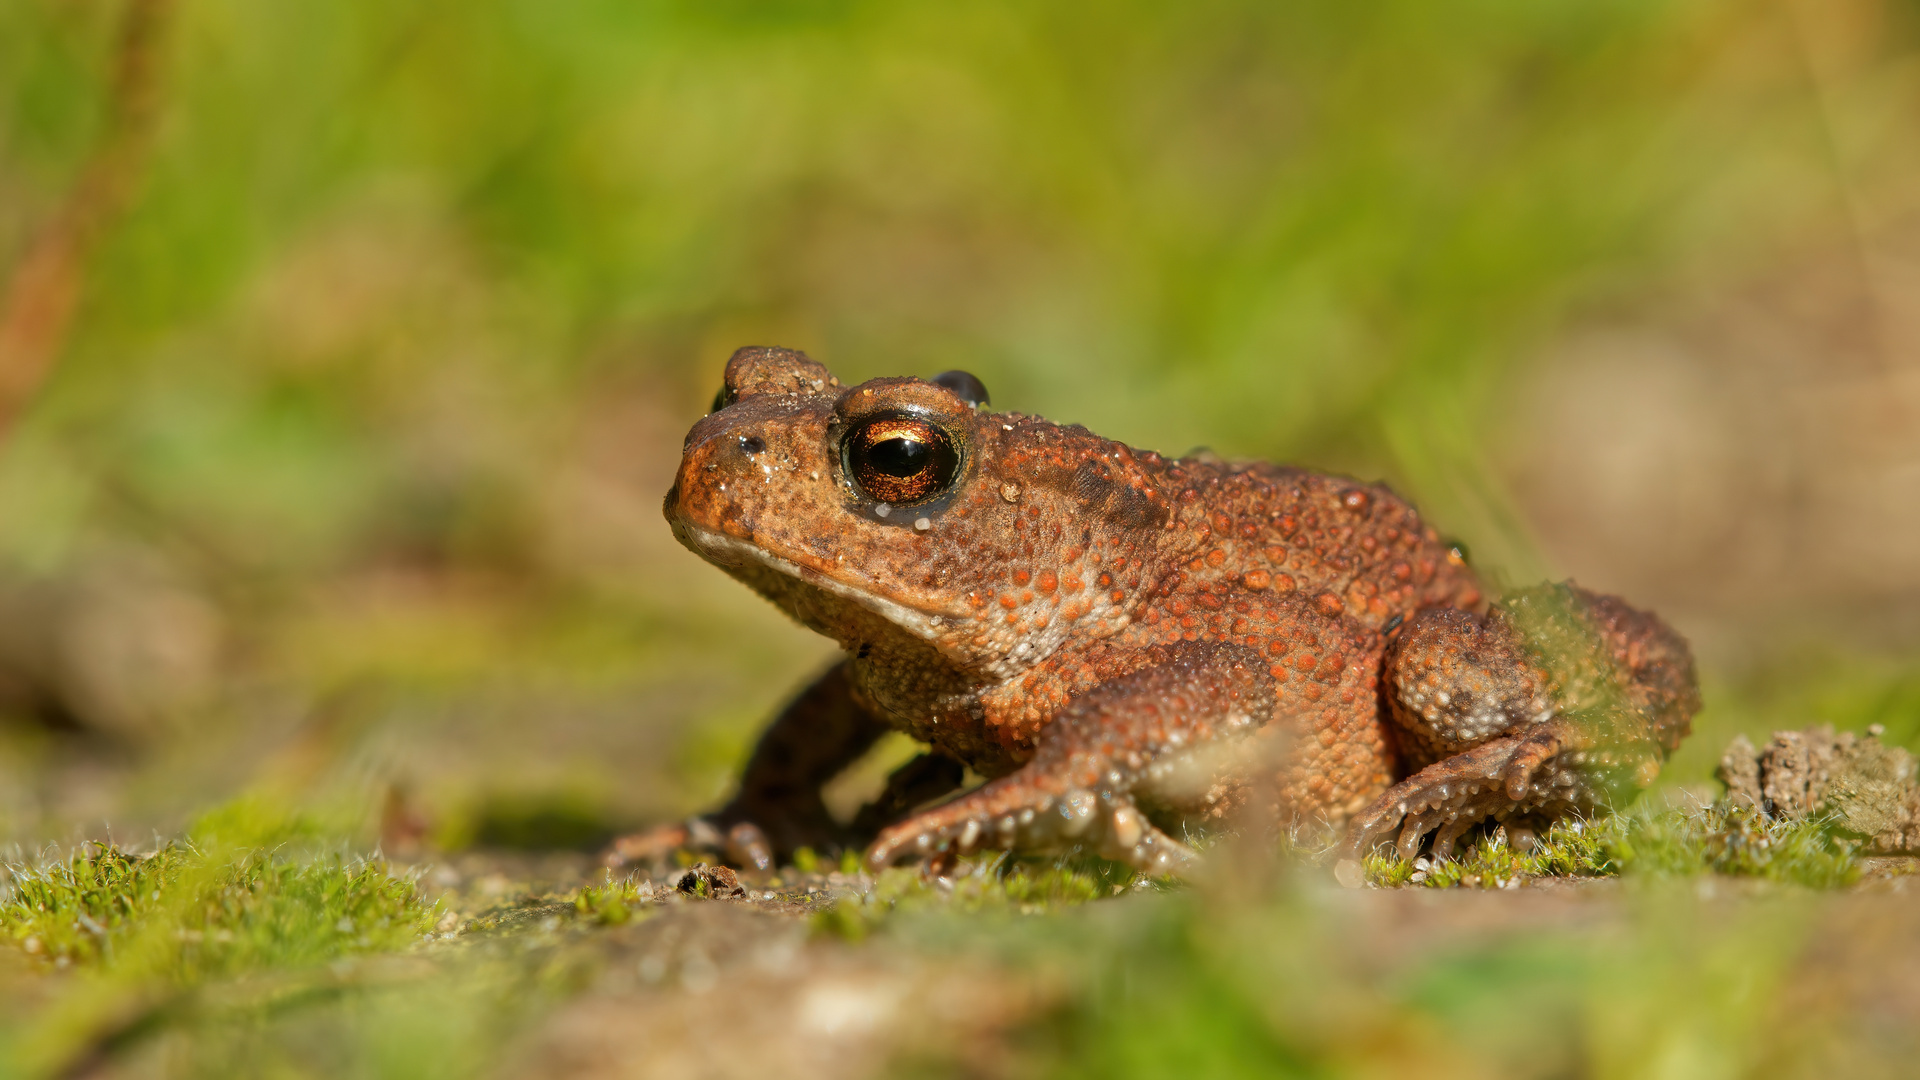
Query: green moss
{"x": 71, "y": 911}
{"x": 1742, "y": 843}
{"x": 1004, "y": 884}
{"x": 612, "y": 904}
{"x": 1666, "y": 843}
{"x": 1568, "y": 849}
{"x": 191, "y": 916}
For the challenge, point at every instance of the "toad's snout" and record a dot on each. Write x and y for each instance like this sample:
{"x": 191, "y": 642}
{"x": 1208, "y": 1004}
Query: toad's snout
{"x": 715, "y": 473}
{"x": 749, "y": 465}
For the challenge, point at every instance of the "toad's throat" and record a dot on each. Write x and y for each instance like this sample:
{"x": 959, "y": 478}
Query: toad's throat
{"x": 729, "y": 552}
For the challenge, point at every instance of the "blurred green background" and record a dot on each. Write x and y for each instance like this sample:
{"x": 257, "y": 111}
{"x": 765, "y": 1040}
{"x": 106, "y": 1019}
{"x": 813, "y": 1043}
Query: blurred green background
{"x": 346, "y": 480}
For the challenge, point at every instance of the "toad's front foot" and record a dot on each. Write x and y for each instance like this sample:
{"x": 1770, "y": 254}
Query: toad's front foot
{"x": 743, "y": 843}
{"x": 1013, "y": 813}
{"x": 1539, "y": 772}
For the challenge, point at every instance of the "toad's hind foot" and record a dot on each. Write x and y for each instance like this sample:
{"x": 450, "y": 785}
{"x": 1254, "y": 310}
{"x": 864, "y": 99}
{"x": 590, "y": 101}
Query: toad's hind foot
{"x": 1552, "y": 770}
{"x": 1451, "y": 797}
{"x": 1556, "y": 701}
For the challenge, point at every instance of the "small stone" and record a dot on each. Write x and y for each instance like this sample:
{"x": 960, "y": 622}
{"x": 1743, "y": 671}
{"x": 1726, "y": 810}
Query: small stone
{"x": 1349, "y": 873}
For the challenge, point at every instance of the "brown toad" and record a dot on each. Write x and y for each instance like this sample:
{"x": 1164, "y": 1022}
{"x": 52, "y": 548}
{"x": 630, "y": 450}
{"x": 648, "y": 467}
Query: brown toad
{"x": 1127, "y": 645}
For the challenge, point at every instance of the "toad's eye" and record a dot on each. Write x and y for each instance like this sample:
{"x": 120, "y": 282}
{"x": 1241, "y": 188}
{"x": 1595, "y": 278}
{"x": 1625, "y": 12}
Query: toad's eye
{"x": 722, "y": 399}
{"x": 901, "y": 459}
{"x": 965, "y": 385}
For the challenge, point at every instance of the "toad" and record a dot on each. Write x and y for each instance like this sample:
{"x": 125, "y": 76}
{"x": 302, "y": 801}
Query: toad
{"x": 1130, "y": 649}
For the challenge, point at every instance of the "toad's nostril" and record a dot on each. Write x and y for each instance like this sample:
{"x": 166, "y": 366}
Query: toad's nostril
{"x": 753, "y": 444}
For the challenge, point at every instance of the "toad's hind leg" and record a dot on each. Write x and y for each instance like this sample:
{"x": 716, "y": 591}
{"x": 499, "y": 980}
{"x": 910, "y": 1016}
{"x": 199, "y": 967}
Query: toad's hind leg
{"x": 1558, "y": 701}
{"x": 1123, "y": 737}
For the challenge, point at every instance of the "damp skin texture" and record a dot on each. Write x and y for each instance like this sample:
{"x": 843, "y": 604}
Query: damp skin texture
{"x": 1129, "y": 646}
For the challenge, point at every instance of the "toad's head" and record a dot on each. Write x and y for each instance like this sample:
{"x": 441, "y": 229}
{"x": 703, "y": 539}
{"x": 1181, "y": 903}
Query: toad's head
{"x": 900, "y": 515}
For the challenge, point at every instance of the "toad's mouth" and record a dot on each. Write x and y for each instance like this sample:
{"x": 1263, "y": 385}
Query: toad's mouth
{"x": 731, "y": 553}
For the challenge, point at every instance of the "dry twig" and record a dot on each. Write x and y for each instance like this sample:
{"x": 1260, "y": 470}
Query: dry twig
{"x": 37, "y": 306}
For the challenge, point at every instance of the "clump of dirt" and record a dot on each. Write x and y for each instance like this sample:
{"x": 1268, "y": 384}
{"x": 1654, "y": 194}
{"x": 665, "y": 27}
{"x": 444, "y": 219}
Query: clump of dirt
{"x": 704, "y": 880}
{"x": 1863, "y": 786}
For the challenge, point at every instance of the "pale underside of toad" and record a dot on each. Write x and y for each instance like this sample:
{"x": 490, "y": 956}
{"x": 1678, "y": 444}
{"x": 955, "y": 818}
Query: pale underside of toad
{"x": 1129, "y": 647}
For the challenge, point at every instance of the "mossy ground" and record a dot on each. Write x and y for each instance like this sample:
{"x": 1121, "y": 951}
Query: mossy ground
{"x": 1673, "y": 843}
{"x": 280, "y": 955}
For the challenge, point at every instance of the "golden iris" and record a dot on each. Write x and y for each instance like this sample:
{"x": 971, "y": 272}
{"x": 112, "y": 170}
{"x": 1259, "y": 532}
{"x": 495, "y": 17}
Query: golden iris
{"x": 901, "y": 459}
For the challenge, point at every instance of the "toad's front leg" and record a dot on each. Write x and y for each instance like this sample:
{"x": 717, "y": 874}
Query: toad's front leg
{"x": 1119, "y": 738}
{"x": 778, "y": 807}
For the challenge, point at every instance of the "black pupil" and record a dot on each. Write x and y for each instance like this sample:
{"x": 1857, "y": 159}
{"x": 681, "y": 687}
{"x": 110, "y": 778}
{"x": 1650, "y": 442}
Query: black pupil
{"x": 900, "y": 457}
